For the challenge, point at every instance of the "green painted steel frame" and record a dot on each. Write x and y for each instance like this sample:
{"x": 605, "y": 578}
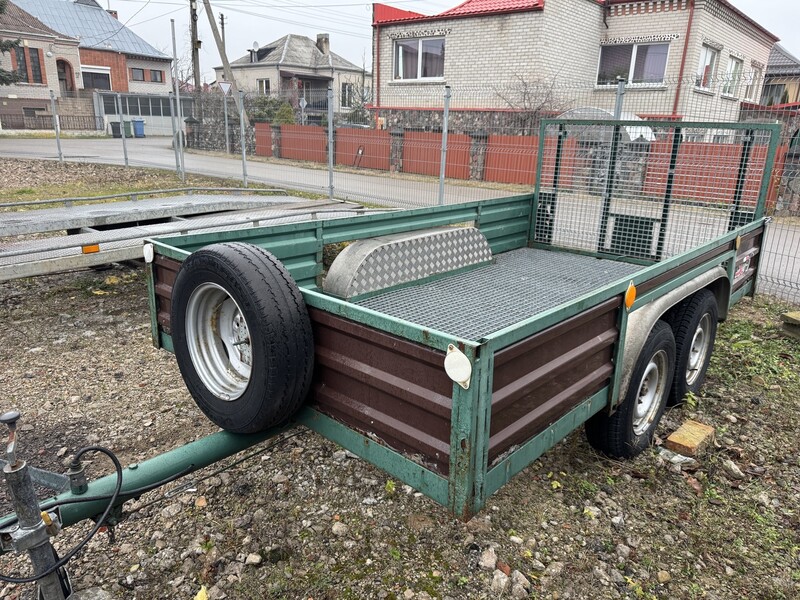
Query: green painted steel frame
{"x": 507, "y": 223}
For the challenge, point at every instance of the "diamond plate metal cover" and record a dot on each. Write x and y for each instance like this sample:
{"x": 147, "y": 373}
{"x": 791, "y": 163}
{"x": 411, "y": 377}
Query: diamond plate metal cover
{"x": 382, "y": 263}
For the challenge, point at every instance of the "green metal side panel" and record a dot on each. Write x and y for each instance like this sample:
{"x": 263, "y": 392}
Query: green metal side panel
{"x": 151, "y": 302}
{"x": 502, "y": 473}
{"x": 429, "y": 483}
{"x": 468, "y": 440}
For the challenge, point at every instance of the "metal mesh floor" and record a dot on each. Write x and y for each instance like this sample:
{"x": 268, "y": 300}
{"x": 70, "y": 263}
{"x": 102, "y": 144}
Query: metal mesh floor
{"x": 520, "y": 284}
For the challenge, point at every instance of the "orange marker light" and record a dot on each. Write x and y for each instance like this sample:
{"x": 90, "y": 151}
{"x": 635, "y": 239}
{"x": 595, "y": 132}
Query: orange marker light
{"x": 630, "y": 295}
{"x": 90, "y": 249}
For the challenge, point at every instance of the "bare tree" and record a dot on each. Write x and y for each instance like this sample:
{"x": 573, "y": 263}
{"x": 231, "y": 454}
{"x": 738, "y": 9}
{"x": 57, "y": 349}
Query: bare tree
{"x": 533, "y": 99}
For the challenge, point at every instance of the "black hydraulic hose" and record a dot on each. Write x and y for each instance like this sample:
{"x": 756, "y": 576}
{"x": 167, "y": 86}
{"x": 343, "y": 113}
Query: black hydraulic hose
{"x": 113, "y": 499}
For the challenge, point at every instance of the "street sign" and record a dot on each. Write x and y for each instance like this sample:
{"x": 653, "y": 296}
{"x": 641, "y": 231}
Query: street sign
{"x": 303, "y": 103}
{"x": 225, "y": 86}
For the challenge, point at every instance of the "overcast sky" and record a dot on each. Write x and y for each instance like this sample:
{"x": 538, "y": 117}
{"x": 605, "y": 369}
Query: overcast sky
{"x": 347, "y": 21}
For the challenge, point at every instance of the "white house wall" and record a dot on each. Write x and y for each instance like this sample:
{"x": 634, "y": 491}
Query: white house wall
{"x": 41, "y": 91}
{"x": 662, "y": 22}
{"x": 149, "y": 87}
{"x": 715, "y": 24}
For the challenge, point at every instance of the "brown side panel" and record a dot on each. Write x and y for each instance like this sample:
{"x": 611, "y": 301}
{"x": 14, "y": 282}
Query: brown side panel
{"x": 165, "y": 270}
{"x": 383, "y": 386}
{"x": 541, "y": 378}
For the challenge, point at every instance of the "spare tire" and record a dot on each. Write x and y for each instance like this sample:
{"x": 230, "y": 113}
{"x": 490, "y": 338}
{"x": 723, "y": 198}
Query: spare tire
{"x": 242, "y": 336}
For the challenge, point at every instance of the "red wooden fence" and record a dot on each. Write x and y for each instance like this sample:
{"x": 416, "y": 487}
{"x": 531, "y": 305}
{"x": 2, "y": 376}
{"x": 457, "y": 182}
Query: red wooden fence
{"x": 304, "y": 142}
{"x": 422, "y": 154}
{"x": 263, "y": 139}
{"x": 366, "y": 148}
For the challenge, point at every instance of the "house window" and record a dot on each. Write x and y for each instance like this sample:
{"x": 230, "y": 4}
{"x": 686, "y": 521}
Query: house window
{"x": 751, "y": 93}
{"x": 732, "y": 77}
{"x": 36, "y": 65}
{"x": 263, "y": 86}
{"x": 707, "y": 66}
{"x": 96, "y": 81}
{"x": 636, "y": 63}
{"x": 137, "y": 74}
{"x": 156, "y": 76}
{"x": 774, "y": 93}
{"x": 22, "y": 64}
{"x": 348, "y": 95}
{"x": 421, "y": 58}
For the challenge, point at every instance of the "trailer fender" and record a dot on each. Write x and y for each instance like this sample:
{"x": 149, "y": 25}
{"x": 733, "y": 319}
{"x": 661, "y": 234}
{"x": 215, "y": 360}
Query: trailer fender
{"x": 642, "y": 320}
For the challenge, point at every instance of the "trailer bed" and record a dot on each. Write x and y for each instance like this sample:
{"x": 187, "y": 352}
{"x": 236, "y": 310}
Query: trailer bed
{"x": 519, "y": 285}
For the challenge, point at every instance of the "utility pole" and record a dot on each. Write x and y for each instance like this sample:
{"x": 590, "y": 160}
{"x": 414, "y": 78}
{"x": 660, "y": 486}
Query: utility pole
{"x": 226, "y": 66}
{"x": 222, "y": 27}
{"x": 195, "y": 45}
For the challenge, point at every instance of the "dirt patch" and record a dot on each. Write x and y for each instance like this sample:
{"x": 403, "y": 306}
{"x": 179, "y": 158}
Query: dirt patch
{"x": 301, "y": 518}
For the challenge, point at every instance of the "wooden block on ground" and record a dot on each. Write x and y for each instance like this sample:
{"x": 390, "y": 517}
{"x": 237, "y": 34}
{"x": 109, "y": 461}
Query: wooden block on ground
{"x": 691, "y": 438}
{"x": 791, "y": 324}
{"x": 792, "y": 318}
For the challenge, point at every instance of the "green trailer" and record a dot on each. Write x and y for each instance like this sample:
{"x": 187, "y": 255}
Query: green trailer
{"x": 453, "y": 345}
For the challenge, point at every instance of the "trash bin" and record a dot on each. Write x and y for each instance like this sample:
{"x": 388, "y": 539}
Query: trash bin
{"x": 115, "y": 130}
{"x": 128, "y": 129}
{"x": 138, "y": 128}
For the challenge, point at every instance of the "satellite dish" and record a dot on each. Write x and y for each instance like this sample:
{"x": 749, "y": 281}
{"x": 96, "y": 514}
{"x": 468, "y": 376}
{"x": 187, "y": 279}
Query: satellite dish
{"x": 255, "y": 45}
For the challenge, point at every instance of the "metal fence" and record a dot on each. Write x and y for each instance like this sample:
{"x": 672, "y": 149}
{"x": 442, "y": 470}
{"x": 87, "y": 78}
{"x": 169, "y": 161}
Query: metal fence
{"x": 45, "y": 122}
{"x": 418, "y": 145}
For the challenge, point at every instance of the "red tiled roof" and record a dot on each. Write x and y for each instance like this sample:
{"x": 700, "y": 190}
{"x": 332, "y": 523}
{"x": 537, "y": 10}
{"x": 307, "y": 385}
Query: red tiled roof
{"x": 490, "y": 7}
{"x": 383, "y": 14}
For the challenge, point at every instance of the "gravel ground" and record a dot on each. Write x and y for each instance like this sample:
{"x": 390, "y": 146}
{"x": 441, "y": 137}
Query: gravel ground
{"x": 303, "y": 519}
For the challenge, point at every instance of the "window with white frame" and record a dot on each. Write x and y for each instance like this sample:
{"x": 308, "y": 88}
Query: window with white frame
{"x": 636, "y": 63}
{"x": 733, "y": 76}
{"x": 348, "y": 95}
{"x": 263, "y": 86}
{"x": 705, "y": 70}
{"x": 419, "y": 58}
{"x": 753, "y": 81}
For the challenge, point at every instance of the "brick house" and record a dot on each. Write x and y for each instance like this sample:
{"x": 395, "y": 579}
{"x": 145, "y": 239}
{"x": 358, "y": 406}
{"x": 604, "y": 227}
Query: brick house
{"x": 112, "y": 57}
{"x": 295, "y": 67}
{"x": 782, "y": 81}
{"x": 43, "y": 60}
{"x": 683, "y": 59}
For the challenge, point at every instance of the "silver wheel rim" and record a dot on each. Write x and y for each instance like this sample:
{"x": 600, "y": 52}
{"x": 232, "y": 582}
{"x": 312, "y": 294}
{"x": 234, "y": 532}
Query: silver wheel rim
{"x": 651, "y": 392}
{"x": 218, "y": 340}
{"x": 699, "y": 349}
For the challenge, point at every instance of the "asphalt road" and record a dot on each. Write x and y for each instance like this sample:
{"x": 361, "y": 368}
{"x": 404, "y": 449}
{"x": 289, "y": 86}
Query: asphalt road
{"x": 780, "y": 266}
{"x": 156, "y": 152}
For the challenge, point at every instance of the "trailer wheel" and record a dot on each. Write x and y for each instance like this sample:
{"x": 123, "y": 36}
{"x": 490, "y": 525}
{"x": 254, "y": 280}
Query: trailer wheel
{"x": 630, "y": 429}
{"x": 242, "y": 336}
{"x": 694, "y": 323}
